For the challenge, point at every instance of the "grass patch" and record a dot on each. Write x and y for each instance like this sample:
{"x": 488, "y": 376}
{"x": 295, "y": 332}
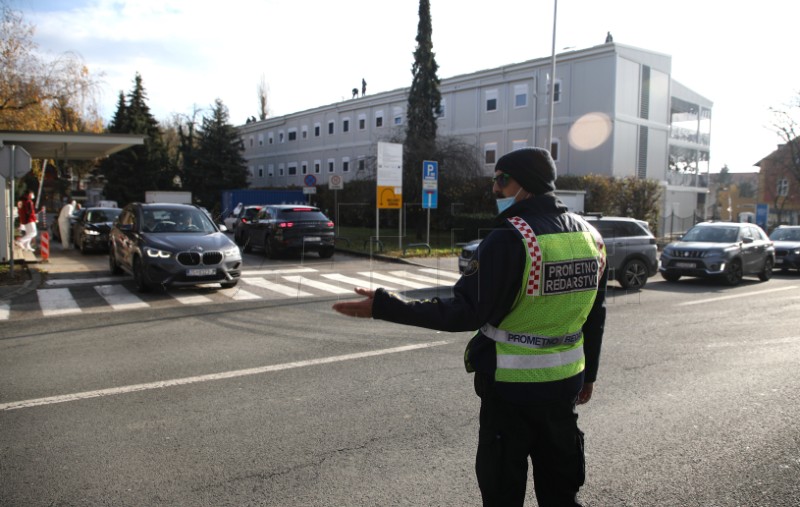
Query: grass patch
{"x": 359, "y": 239}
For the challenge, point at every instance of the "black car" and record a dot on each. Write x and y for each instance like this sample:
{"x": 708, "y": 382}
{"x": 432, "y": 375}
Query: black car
{"x": 787, "y": 247}
{"x": 91, "y": 227}
{"x": 283, "y": 227}
{"x": 246, "y": 215}
{"x": 724, "y": 250}
{"x": 165, "y": 245}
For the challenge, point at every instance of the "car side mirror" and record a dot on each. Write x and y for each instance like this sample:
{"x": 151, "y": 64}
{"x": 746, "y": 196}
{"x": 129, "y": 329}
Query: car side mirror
{"x": 222, "y": 228}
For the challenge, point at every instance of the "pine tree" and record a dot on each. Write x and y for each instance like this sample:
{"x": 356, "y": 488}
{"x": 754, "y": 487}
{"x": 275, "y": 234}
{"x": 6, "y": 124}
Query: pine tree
{"x": 424, "y": 105}
{"x": 133, "y": 171}
{"x": 215, "y": 162}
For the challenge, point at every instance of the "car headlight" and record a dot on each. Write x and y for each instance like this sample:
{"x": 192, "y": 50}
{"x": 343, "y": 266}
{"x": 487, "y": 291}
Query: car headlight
{"x": 232, "y": 252}
{"x": 156, "y": 253}
{"x": 91, "y": 232}
{"x": 796, "y": 251}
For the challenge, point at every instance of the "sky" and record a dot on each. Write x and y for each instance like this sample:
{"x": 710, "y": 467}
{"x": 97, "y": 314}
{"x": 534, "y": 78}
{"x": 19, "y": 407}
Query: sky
{"x": 314, "y": 52}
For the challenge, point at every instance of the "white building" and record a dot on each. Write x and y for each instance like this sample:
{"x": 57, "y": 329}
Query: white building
{"x": 617, "y": 112}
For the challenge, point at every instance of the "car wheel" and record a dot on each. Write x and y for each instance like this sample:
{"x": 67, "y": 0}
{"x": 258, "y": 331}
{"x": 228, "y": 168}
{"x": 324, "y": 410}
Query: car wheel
{"x": 229, "y": 285}
{"x": 112, "y": 263}
{"x": 766, "y": 274}
{"x": 139, "y": 276}
{"x": 671, "y": 277}
{"x": 733, "y": 273}
{"x": 633, "y": 275}
{"x": 326, "y": 253}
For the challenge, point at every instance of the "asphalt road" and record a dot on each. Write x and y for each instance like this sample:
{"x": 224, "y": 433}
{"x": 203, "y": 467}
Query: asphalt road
{"x": 284, "y": 403}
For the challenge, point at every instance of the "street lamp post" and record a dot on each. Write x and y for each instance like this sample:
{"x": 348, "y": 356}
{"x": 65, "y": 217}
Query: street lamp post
{"x": 552, "y": 81}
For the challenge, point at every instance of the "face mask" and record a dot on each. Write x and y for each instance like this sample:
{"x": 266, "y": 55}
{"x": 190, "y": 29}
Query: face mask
{"x": 504, "y": 203}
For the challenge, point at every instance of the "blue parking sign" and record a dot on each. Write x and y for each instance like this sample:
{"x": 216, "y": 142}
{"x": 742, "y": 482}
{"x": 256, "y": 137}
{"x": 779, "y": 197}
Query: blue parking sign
{"x": 430, "y": 184}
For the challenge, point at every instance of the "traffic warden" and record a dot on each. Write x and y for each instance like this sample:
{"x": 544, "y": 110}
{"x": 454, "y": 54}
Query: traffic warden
{"x": 535, "y": 291}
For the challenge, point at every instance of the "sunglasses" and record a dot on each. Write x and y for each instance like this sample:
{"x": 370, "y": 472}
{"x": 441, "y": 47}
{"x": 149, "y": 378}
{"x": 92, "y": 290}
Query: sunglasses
{"x": 501, "y": 179}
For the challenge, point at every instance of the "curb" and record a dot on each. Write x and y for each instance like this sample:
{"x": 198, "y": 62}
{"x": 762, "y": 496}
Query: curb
{"x": 29, "y": 286}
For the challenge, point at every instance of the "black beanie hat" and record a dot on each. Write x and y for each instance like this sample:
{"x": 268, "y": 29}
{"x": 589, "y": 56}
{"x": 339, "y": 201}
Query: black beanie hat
{"x": 533, "y": 168}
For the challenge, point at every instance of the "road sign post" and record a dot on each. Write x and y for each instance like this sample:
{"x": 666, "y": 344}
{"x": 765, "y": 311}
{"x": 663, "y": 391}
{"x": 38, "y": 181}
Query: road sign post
{"x": 430, "y": 190}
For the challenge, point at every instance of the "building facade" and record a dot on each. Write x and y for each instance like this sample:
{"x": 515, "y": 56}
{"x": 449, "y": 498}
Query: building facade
{"x": 778, "y": 185}
{"x": 617, "y": 112}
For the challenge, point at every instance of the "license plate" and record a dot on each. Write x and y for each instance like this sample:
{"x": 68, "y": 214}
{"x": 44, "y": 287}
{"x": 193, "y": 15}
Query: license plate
{"x": 201, "y": 272}
{"x": 312, "y": 238}
{"x": 688, "y": 265}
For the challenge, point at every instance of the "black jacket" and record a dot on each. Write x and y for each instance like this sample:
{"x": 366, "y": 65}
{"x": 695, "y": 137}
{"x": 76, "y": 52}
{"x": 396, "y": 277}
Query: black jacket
{"x": 486, "y": 293}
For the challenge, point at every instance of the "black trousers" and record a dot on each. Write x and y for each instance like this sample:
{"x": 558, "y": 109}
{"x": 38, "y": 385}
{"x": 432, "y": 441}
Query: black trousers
{"x": 510, "y": 434}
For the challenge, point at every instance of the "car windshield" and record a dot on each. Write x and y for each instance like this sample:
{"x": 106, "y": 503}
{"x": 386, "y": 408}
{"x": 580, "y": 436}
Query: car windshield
{"x": 99, "y": 216}
{"x": 176, "y": 221}
{"x": 785, "y": 235}
{"x": 712, "y": 234}
{"x": 251, "y": 212}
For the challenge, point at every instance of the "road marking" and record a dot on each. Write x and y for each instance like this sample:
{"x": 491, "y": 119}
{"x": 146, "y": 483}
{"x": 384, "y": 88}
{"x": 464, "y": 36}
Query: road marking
{"x": 276, "y": 287}
{"x": 5, "y": 311}
{"x": 15, "y": 405}
{"x": 755, "y": 343}
{"x": 735, "y": 296}
{"x": 356, "y": 282}
{"x": 188, "y": 298}
{"x": 75, "y": 281}
{"x": 394, "y": 279}
{"x": 301, "y": 280}
{"x": 426, "y": 279}
{"x": 278, "y": 271}
{"x": 440, "y": 272}
{"x": 238, "y": 294}
{"x": 57, "y": 302}
{"x": 119, "y": 297}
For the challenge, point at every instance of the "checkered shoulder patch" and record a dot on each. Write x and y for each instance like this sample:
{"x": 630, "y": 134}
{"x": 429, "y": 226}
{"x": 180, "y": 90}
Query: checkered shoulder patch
{"x": 535, "y": 275}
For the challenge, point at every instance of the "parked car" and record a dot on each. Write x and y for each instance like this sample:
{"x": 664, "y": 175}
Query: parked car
{"x": 632, "y": 253}
{"x": 165, "y": 245}
{"x": 723, "y": 250}
{"x": 787, "y": 247}
{"x": 631, "y": 250}
{"x": 282, "y": 227}
{"x": 245, "y": 215}
{"x": 91, "y": 227}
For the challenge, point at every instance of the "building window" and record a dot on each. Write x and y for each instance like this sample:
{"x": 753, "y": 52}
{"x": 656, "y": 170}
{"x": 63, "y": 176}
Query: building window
{"x": 346, "y": 125}
{"x": 317, "y": 166}
{"x": 304, "y": 132}
{"x": 491, "y": 100}
{"x": 346, "y": 164}
{"x": 518, "y": 144}
{"x": 331, "y": 165}
{"x": 520, "y": 95}
{"x": 316, "y": 129}
{"x": 362, "y": 122}
{"x": 398, "y": 116}
{"x": 271, "y": 170}
{"x": 280, "y": 169}
{"x": 292, "y": 169}
{"x": 293, "y": 134}
{"x": 331, "y": 127}
{"x": 261, "y": 171}
{"x": 270, "y": 138}
{"x": 490, "y": 153}
{"x": 304, "y": 168}
{"x": 362, "y": 164}
{"x": 783, "y": 187}
{"x": 554, "y": 149}
{"x": 260, "y": 140}
{"x": 557, "y": 91}
{"x": 379, "y": 119}
{"x": 280, "y": 136}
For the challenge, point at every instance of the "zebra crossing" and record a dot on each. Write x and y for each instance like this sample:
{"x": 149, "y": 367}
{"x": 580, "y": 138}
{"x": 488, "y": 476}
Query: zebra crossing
{"x": 59, "y": 297}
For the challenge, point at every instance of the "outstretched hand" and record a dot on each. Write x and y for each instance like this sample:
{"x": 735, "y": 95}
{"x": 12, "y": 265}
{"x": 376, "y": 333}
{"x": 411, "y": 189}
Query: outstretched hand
{"x": 586, "y": 393}
{"x": 361, "y": 308}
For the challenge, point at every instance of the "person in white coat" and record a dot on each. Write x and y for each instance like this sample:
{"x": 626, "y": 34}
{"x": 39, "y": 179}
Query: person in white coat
{"x": 63, "y": 223}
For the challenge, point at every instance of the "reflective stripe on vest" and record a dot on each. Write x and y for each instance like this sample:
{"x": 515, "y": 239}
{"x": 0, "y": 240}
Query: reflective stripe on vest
{"x": 541, "y": 339}
{"x": 528, "y": 340}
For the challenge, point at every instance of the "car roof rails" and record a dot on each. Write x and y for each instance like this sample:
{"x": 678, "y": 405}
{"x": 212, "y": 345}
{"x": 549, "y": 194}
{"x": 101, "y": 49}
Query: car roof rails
{"x": 596, "y": 214}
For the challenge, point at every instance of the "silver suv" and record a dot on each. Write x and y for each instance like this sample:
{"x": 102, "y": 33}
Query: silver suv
{"x": 725, "y": 250}
{"x": 630, "y": 247}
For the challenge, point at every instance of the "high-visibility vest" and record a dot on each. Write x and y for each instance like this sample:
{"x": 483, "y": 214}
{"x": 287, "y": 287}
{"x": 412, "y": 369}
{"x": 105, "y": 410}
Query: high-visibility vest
{"x": 541, "y": 339}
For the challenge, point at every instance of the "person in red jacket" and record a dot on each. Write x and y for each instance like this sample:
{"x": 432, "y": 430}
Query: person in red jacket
{"x": 27, "y": 219}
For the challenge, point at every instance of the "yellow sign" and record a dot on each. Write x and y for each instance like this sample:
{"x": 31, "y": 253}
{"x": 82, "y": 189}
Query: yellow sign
{"x": 390, "y": 197}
